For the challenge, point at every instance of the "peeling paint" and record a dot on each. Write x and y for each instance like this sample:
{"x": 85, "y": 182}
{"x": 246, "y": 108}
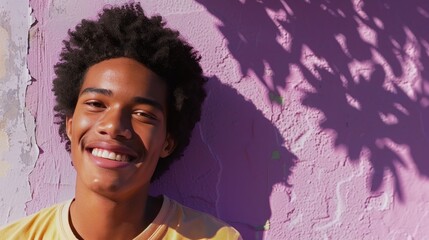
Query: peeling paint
{"x": 380, "y": 203}
{"x": 17, "y": 152}
{"x": 4, "y": 168}
{"x": 4, "y": 45}
{"x": 4, "y": 147}
{"x": 4, "y": 140}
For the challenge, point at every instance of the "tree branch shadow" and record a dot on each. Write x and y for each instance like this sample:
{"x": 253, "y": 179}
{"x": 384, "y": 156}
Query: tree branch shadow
{"x": 357, "y": 59}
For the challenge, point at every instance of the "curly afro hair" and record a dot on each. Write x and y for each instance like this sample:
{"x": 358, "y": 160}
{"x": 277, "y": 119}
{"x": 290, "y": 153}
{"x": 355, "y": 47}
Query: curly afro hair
{"x": 125, "y": 31}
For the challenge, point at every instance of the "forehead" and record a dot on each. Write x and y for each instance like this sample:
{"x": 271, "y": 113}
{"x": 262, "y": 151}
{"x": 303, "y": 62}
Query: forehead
{"x": 125, "y": 76}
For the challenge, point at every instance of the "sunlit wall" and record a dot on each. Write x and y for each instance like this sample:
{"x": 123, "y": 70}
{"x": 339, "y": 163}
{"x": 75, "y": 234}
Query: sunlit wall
{"x": 316, "y": 124}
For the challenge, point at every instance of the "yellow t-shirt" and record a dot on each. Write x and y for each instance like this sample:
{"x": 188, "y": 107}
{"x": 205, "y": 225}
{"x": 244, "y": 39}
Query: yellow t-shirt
{"x": 174, "y": 221}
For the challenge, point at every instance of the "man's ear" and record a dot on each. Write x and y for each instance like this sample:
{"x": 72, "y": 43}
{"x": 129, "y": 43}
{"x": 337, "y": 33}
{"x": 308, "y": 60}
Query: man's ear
{"x": 169, "y": 146}
{"x": 69, "y": 127}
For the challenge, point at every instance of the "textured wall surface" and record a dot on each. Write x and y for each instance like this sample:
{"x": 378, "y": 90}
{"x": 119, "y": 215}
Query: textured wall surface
{"x": 316, "y": 124}
{"x": 18, "y": 150}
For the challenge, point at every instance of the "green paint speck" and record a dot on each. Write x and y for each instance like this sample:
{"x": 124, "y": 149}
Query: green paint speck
{"x": 275, "y": 97}
{"x": 275, "y": 155}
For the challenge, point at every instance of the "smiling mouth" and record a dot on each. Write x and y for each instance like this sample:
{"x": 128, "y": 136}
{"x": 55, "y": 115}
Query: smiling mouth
{"x": 103, "y": 153}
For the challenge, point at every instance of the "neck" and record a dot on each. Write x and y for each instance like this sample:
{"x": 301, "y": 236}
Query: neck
{"x": 94, "y": 216}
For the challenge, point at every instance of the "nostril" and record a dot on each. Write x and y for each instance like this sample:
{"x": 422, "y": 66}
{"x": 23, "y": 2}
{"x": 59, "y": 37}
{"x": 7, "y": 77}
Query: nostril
{"x": 117, "y": 133}
{"x": 102, "y": 132}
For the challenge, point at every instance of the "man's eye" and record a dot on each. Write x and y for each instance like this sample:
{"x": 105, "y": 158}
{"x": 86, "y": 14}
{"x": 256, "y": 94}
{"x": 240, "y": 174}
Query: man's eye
{"x": 145, "y": 115}
{"x": 95, "y": 104}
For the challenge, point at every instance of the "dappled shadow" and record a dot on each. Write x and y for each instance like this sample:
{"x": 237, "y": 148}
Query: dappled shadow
{"x": 235, "y": 158}
{"x": 364, "y": 65}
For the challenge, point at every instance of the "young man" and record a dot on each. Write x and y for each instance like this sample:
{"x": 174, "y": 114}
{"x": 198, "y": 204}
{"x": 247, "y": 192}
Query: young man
{"x": 128, "y": 92}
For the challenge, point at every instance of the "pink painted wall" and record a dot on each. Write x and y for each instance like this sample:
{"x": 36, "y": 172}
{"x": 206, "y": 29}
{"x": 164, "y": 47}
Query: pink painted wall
{"x": 316, "y": 124}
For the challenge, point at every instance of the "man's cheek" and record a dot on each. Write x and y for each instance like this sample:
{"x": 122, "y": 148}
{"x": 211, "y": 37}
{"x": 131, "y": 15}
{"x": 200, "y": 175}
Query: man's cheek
{"x": 84, "y": 122}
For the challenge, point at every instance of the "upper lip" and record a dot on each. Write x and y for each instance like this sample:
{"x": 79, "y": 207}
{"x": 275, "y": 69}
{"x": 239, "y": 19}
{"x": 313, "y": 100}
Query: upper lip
{"x": 113, "y": 147}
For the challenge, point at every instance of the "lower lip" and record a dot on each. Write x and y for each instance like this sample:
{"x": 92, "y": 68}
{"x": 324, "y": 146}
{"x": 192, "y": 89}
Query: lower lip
{"x": 107, "y": 163}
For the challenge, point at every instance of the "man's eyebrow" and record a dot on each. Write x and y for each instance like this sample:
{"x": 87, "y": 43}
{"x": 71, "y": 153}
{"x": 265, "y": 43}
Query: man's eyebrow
{"x": 148, "y": 101}
{"x": 103, "y": 91}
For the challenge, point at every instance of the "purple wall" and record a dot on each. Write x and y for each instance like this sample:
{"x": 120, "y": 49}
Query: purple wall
{"x": 316, "y": 124}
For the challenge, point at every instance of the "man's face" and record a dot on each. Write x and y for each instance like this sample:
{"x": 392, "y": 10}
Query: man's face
{"x": 118, "y": 129}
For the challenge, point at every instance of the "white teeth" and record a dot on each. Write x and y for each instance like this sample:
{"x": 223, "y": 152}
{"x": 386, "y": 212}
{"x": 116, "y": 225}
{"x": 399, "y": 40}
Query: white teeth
{"x": 109, "y": 155}
{"x": 105, "y": 154}
{"x": 95, "y": 151}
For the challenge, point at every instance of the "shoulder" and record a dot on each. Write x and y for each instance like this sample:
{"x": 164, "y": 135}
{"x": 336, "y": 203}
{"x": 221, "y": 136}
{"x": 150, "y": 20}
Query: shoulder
{"x": 193, "y": 224}
{"x": 34, "y": 226}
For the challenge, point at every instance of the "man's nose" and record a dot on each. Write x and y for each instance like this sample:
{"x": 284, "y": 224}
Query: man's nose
{"x": 116, "y": 123}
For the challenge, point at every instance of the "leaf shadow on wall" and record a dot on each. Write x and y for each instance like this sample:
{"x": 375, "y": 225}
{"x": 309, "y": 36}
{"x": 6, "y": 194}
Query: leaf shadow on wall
{"x": 365, "y": 106}
{"x": 235, "y": 158}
